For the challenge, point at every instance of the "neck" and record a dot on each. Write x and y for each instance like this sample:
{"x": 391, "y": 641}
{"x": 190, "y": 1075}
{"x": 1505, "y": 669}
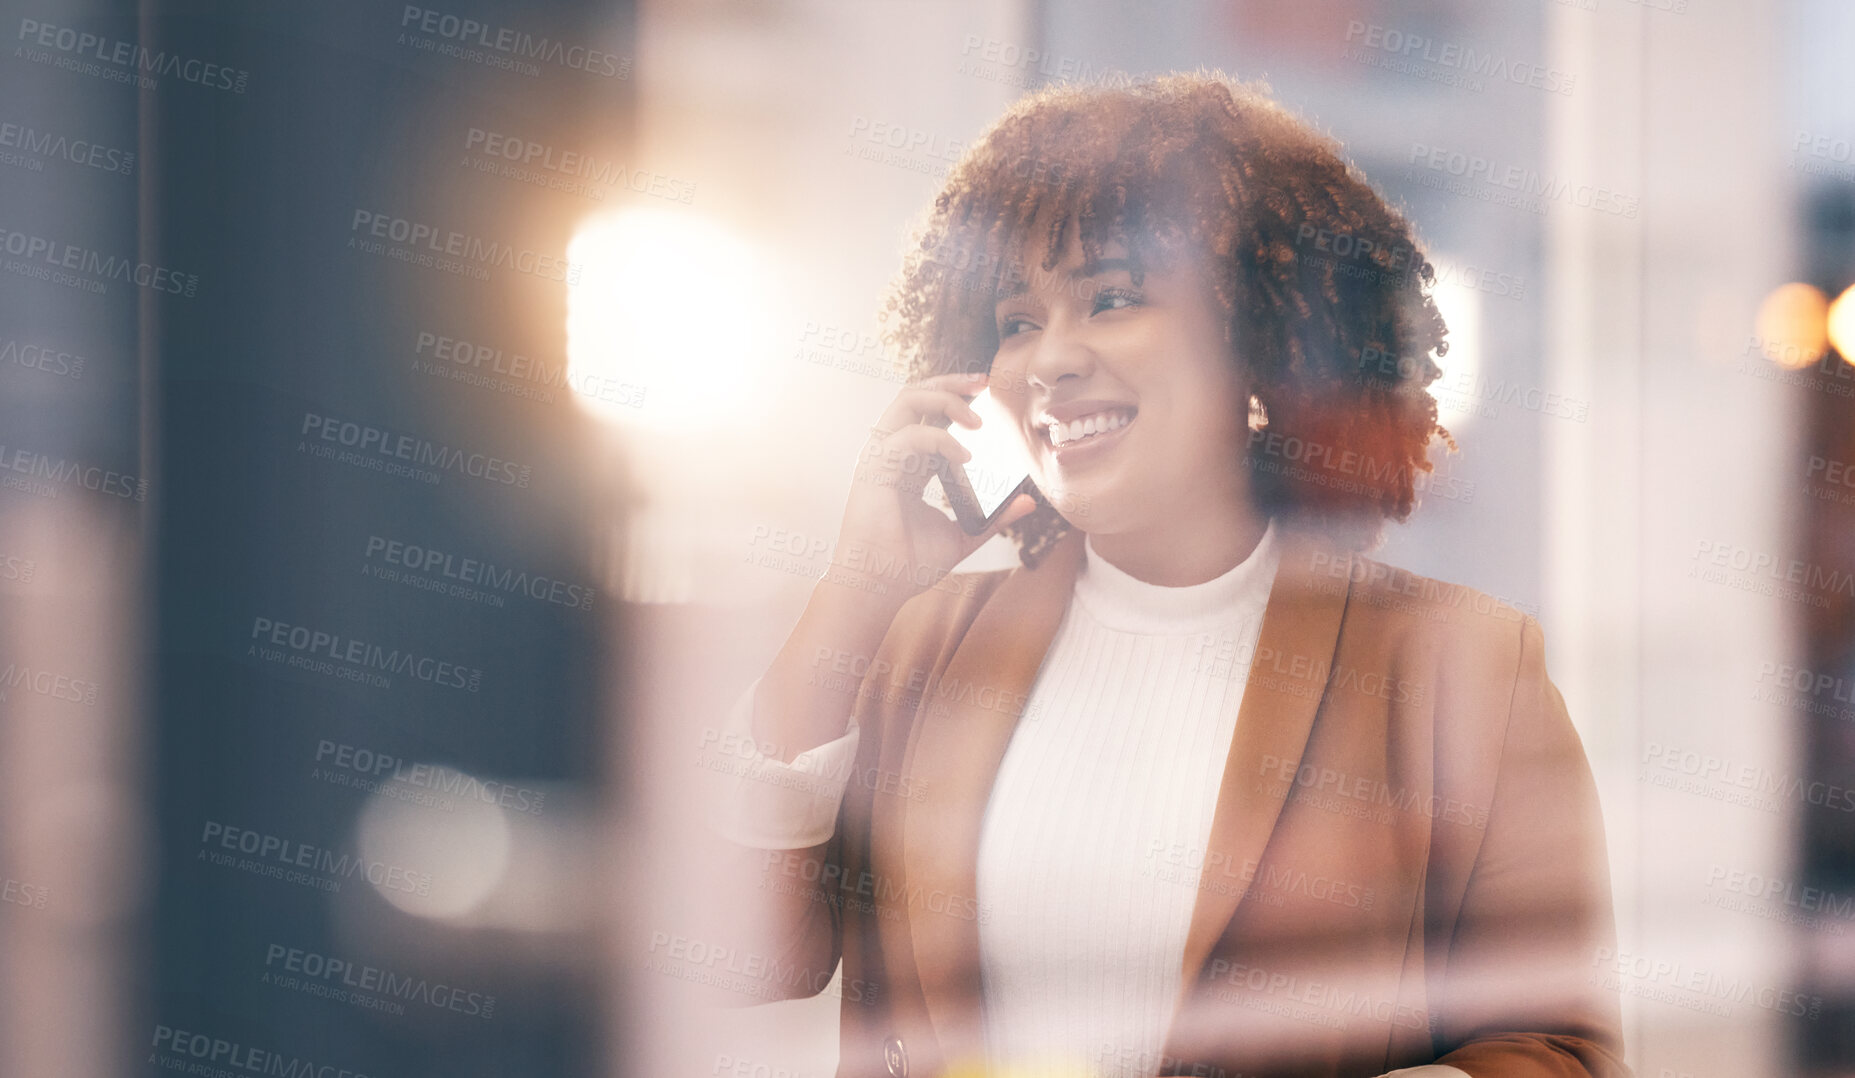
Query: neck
{"x": 1188, "y": 549}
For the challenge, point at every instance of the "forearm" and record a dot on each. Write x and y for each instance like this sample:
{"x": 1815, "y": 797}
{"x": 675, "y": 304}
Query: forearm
{"x": 807, "y": 694}
{"x": 771, "y": 831}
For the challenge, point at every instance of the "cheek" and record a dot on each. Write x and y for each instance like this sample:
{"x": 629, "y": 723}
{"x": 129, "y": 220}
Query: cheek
{"x": 1202, "y": 427}
{"x": 1013, "y": 413}
{"x": 1009, "y": 386}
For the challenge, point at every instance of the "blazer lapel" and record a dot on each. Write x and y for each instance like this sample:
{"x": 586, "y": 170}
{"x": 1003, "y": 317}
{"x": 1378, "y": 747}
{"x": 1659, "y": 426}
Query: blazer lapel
{"x": 1300, "y": 628}
{"x": 960, "y": 739}
{"x": 966, "y": 724}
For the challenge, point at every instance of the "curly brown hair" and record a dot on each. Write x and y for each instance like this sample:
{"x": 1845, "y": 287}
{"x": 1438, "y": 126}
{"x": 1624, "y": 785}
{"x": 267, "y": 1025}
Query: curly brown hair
{"x": 1324, "y": 286}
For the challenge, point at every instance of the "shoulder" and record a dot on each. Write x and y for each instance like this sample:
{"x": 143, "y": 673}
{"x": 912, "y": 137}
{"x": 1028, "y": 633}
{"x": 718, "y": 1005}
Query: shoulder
{"x": 1464, "y": 642}
{"x": 1485, "y": 657}
{"x": 1423, "y": 602}
{"x": 1477, "y": 663}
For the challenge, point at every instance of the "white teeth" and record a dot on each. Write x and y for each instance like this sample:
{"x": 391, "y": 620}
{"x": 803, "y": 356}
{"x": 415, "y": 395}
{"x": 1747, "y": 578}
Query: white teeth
{"x": 1088, "y": 426}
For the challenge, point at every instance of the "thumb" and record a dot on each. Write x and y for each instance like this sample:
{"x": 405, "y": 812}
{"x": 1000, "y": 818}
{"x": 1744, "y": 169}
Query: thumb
{"x": 1022, "y": 505}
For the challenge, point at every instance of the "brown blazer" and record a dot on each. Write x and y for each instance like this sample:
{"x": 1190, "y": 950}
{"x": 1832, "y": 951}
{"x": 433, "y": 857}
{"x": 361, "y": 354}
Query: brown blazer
{"x": 1406, "y": 863}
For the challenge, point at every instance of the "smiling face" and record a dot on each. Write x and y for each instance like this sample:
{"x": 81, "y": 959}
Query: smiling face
{"x": 1125, "y": 392}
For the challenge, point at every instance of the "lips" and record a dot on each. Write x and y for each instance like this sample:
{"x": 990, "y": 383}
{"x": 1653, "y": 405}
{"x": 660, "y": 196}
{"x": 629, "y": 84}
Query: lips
{"x": 1060, "y": 433}
{"x": 1072, "y": 423}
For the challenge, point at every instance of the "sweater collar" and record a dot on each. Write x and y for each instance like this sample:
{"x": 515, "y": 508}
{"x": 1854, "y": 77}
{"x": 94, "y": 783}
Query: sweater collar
{"x": 1121, "y": 601}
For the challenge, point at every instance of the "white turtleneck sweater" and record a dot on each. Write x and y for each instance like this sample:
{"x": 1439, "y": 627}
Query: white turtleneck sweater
{"x": 1117, "y": 762}
{"x": 1113, "y": 770}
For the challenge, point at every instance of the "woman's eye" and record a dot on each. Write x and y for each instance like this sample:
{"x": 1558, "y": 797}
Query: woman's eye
{"x": 1013, "y": 326}
{"x": 1115, "y": 299}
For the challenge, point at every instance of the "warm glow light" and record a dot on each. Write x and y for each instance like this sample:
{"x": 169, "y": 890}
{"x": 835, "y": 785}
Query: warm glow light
{"x": 1458, "y": 391}
{"x": 1792, "y": 326}
{"x": 669, "y": 319}
{"x": 1840, "y": 324}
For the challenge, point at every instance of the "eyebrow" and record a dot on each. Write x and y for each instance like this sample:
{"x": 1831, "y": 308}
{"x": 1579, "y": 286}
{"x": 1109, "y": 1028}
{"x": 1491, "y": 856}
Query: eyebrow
{"x": 1093, "y": 268}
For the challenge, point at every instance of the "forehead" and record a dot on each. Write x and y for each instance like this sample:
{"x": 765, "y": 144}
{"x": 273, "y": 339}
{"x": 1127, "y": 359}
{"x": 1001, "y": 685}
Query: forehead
{"x": 1022, "y": 265}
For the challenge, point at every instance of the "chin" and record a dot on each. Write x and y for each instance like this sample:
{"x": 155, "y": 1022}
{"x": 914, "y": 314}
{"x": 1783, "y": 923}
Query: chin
{"x": 1087, "y": 510}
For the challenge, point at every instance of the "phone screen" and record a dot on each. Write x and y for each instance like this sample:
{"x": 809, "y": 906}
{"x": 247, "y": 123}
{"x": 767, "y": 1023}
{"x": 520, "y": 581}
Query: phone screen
{"x": 1001, "y": 461}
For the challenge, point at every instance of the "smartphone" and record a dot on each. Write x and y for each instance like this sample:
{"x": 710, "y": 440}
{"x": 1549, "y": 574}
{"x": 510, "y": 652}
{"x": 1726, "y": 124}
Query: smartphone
{"x": 980, "y": 489}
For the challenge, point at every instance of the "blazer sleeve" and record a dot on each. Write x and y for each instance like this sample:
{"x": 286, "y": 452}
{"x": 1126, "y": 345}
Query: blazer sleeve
{"x": 791, "y": 874}
{"x": 762, "y": 802}
{"x": 776, "y": 833}
{"x": 1522, "y": 992}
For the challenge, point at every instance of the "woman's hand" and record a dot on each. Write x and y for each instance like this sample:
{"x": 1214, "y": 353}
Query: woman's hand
{"x": 889, "y": 534}
{"x": 891, "y": 547}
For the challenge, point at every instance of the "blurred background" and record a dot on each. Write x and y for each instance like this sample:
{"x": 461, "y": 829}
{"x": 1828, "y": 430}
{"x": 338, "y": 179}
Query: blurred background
{"x": 418, "y": 425}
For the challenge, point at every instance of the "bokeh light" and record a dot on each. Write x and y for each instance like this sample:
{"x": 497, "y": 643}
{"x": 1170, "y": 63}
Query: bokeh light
{"x": 1840, "y": 324}
{"x": 1792, "y": 325}
{"x": 465, "y": 851}
{"x": 668, "y": 319}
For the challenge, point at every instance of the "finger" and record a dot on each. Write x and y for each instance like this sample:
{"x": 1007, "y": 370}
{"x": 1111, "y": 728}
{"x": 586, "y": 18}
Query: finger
{"x": 907, "y": 459}
{"x": 905, "y": 447}
{"x": 916, "y": 404}
{"x": 1021, "y": 506}
{"x": 958, "y": 382}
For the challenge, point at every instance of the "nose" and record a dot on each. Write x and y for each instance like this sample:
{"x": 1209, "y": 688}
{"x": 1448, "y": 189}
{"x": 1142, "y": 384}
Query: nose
{"x": 1061, "y": 353}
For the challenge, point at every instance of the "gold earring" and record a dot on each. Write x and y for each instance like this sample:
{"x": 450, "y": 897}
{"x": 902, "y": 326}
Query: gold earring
{"x": 1259, "y": 416}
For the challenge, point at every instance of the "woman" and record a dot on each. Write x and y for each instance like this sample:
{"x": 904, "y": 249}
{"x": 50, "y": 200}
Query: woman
{"x": 1198, "y": 788}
